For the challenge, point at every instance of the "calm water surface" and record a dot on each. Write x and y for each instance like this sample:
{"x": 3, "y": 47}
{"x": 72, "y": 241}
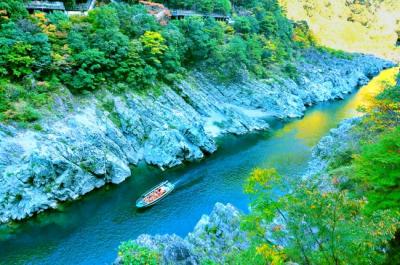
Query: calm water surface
{"x": 89, "y": 231}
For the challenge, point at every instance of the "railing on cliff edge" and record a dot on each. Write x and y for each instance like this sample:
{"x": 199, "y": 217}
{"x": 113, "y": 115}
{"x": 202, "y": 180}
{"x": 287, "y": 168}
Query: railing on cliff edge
{"x": 182, "y": 13}
{"x": 84, "y": 6}
{"x": 59, "y": 6}
{"x": 45, "y": 5}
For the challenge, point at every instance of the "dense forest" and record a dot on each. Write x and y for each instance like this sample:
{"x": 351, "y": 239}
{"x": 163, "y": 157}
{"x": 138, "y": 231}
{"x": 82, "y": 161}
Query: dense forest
{"x": 218, "y": 6}
{"x": 348, "y": 214}
{"x": 121, "y": 47}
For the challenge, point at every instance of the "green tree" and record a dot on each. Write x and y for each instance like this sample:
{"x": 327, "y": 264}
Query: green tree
{"x": 222, "y": 6}
{"x": 4, "y": 102}
{"x": 134, "y": 20}
{"x": 205, "y": 5}
{"x": 231, "y": 59}
{"x": 246, "y": 25}
{"x": 257, "y": 55}
{"x": 12, "y": 9}
{"x": 24, "y": 49}
{"x": 154, "y": 47}
{"x": 131, "y": 69}
{"x": 197, "y": 39}
{"x": 317, "y": 226}
{"x": 89, "y": 68}
{"x": 77, "y": 38}
{"x": 133, "y": 254}
{"x": 70, "y": 4}
{"x": 378, "y": 168}
{"x": 18, "y": 59}
{"x": 105, "y": 17}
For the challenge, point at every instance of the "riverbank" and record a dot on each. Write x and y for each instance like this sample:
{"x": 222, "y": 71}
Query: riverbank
{"x": 213, "y": 237}
{"x": 89, "y": 230}
{"x": 83, "y": 149}
{"x": 218, "y": 235}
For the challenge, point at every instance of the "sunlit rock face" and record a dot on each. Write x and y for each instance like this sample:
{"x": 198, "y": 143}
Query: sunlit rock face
{"x": 338, "y": 142}
{"x": 355, "y": 26}
{"x": 219, "y": 233}
{"x": 343, "y": 139}
{"x": 84, "y": 149}
{"x": 214, "y": 235}
{"x": 398, "y": 78}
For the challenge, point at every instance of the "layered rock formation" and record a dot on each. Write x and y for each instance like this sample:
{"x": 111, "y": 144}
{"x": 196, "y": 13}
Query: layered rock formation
{"x": 219, "y": 234}
{"x": 213, "y": 236}
{"x": 84, "y": 148}
{"x": 339, "y": 141}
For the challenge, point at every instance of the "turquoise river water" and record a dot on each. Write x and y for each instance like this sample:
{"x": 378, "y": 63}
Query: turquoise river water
{"x": 88, "y": 231}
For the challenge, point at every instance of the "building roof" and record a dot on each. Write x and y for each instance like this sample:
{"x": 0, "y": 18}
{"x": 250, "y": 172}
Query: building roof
{"x": 45, "y": 5}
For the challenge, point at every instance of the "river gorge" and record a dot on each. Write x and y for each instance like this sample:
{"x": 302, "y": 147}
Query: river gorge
{"x": 89, "y": 230}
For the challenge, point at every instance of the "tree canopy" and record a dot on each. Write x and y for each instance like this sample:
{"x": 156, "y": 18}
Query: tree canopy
{"x": 122, "y": 45}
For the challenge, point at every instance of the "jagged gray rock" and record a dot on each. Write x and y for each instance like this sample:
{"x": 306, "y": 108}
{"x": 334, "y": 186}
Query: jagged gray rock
{"x": 85, "y": 148}
{"x": 218, "y": 234}
{"x": 213, "y": 235}
{"x": 339, "y": 142}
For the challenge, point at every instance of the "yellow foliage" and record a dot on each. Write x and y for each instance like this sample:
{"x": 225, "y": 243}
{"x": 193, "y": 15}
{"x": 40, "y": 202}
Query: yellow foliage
{"x": 263, "y": 178}
{"x": 271, "y": 253}
{"x": 41, "y": 20}
{"x": 351, "y": 26}
{"x": 154, "y": 41}
{"x": 4, "y": 14}
{"x": 228, "y": 29}
{"x": 40, "y": 16}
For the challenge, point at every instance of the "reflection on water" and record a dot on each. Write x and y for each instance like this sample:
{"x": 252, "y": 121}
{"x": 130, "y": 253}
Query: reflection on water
{"x": 89, "y": 231}
{"x": 314, "y": 125}
{"x": 365, "y": 97}
{"x": 309, "y": 129}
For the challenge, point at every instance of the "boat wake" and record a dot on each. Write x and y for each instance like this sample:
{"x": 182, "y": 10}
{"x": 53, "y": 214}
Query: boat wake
{"x": 184, "y": 183}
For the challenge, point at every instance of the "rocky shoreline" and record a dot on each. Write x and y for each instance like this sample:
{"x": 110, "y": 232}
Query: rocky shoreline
{"x": 92, "y": 145}
{"x": 213, "y": 236}
{"x": 219, "y": 233}
{"x": 339, "y": 141}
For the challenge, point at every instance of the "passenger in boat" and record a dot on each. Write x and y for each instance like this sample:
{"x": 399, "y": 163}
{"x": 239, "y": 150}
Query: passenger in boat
{"x": 154, "y": 195}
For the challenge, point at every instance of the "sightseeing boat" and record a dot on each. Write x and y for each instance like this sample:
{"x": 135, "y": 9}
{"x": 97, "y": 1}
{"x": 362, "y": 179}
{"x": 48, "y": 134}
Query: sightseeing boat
{"x": 155, "y": 195}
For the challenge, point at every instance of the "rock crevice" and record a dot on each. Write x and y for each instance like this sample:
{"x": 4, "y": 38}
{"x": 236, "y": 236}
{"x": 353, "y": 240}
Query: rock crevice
{"x": 219, "y": 234}
{"x": 92, "y": 145}
{"x": 213, "y": 235}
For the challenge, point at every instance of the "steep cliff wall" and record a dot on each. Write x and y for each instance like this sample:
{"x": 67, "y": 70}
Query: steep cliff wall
{"x": 80, "y": 150}
{"x": 219, "y": 234}
{"x": 356, "y": 26}
{"x": 214, "y": 235}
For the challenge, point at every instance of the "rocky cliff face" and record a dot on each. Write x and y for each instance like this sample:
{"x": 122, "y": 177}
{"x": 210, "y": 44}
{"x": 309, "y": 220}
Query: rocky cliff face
{"x": 213, "y": 235}
{"x": 219, "y": 234}
{"x": 339, "y": 141}
{"x": 83, "y": 149}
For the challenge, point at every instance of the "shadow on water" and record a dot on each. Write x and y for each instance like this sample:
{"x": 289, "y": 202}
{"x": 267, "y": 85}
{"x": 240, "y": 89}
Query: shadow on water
{"x": 187, "y": 182}
{"x": 89, "y": 230}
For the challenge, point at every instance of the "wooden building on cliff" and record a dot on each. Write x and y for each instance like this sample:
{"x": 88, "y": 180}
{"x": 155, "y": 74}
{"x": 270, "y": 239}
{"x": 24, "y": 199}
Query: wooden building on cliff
{"x": 45, "y": 6}
{"x": 80, "y": 6}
